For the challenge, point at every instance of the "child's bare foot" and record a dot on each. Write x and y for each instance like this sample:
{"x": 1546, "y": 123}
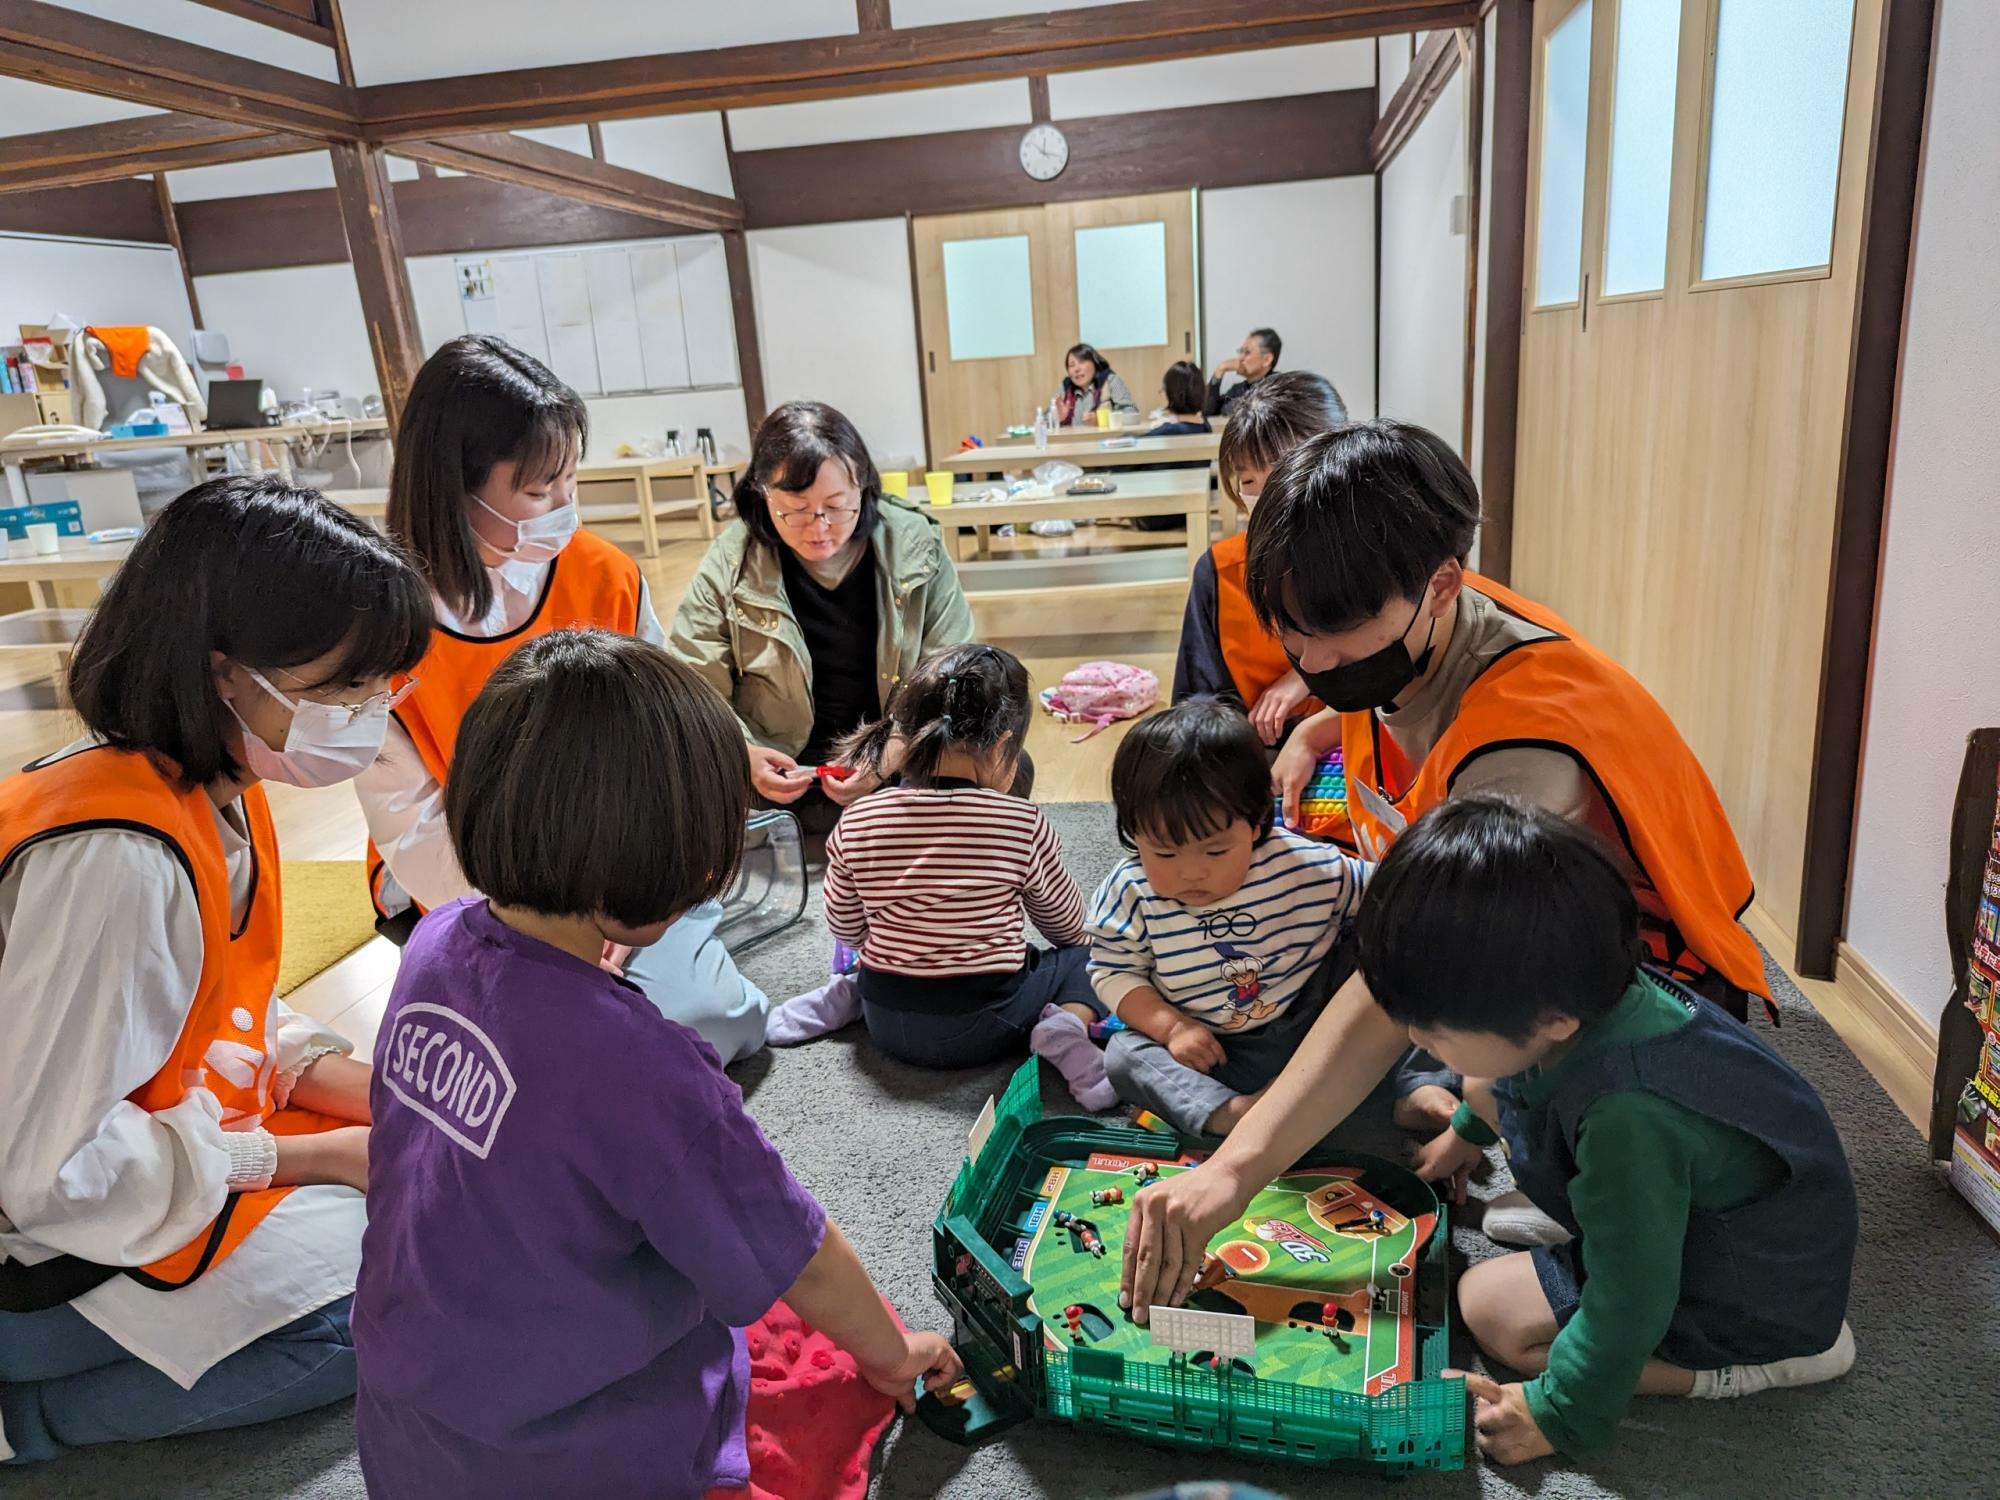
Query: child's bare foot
{"x": 1230, "y": 1115}
{"x": 1426, "y": 1110}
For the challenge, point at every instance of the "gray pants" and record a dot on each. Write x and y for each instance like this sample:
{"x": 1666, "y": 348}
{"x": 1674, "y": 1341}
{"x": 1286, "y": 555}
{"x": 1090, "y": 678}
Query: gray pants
{"x": 1145, "y": 1073}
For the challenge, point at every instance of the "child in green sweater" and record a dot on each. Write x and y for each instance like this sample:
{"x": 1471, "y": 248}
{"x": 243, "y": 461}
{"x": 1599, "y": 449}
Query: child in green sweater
{"x": 1712, "y": 1217}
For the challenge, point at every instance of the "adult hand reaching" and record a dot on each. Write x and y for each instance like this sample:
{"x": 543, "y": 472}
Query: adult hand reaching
{"x": 1167, "y": 1234}
{"x": 1292, "y": 773}
{"x": 771, "y": 774}
{"x": 1276, "y": 705}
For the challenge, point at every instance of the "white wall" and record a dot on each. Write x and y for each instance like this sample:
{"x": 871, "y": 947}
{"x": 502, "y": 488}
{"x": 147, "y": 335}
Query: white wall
{"x": 1393, "y": 55}
{"x": 93, "y": 282}
{"x": 1423, "y": 273}
{"x": 1298, "y": 257}
{"x": 874, "y": 117}
{"x": 1937, "y": 634}
{"x": 1224, "y": 78}
{"x": 687, "y": 149}
{"x": 836, "y": 323}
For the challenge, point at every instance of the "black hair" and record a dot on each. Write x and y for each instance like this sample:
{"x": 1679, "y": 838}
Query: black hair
{"x": 265, "y": 573}
{"x": 1184, "y": 386}
{"x": 477, "y": 403}
{"x": 1100, "y": 365}
{"x": 597, "y": 776}
{"x": 1271, "y": 418}
{"x": 1354, "y": 519}
{"x": 786, "y": 454}
{"x": 1488, "y": 915}
{"x": 967, "y": 698}
{"x": 1273, "y": 345}
{"x": 1188, "y": 772}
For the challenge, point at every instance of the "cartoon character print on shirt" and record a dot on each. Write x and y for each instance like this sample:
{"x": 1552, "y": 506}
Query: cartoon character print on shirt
{"x": 1244, "y": 971}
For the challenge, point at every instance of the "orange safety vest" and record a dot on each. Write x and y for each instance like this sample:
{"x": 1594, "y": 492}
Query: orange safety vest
{"x": 1252, "y": 654}
{"x": 223, "y": 1046}
{"x": 1564, "y": 694}
{"x": 590, "y": 583}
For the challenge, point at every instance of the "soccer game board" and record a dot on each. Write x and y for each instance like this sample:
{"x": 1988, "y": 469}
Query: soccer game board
{"x": 1318, "y": 1262}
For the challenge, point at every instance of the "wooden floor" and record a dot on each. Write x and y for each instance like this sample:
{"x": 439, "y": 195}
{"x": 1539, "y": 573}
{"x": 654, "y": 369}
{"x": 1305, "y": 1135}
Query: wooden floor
{"x": 1140, "y": 625}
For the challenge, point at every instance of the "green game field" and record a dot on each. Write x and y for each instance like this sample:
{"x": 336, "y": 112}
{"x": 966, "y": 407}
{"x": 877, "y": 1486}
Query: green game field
{"x": 1299, "y": 1272}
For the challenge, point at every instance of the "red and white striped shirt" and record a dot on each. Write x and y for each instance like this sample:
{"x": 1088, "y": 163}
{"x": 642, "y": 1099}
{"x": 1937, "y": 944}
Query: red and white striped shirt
{"x": 934, "y": 882}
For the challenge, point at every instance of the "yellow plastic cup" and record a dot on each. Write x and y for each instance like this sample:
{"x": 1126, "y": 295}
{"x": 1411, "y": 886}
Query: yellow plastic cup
{"x": 1103, "y": 416}
{"x": 897, "y": 482}
{"x": 939, "y": 483}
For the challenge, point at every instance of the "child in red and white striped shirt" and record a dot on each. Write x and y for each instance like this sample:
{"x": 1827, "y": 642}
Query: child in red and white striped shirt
{"x": 934, "y": 878}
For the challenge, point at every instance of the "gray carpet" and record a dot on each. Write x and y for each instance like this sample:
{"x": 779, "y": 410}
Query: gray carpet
{"x": 879, "y": 1143}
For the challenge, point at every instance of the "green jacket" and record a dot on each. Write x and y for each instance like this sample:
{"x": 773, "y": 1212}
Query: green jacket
{"x": 735, "y": 625}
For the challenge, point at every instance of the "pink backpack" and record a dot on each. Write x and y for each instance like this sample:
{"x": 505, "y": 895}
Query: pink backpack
{"x": 1099, "y": 693}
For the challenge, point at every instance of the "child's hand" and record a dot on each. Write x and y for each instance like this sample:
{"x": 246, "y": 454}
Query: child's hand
{"x": 1508, "y": 1432}
{"x": 1448, "y": 1158}
{"x": 845, "y": 791}
{"x": 771, "y": 774}
{"x": 926, "y": 1356}
{"x": 614, "y": 958}
{"x": 1193, "y": 1045}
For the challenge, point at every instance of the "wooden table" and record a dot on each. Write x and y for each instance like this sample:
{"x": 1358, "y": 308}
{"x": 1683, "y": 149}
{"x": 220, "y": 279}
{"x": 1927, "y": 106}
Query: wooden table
{"x": 1193, "y": 447}
{"x": 74, "y": 558}
{"x": 1140, "y": 492}
{"x": 640, "y": 472}
{"x": 275, "y": 441}
{"x": 41, "y": 633}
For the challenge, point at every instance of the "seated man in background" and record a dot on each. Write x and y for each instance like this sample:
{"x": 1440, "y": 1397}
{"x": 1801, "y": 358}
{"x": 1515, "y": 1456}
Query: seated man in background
{"x": 1255, "y": 358}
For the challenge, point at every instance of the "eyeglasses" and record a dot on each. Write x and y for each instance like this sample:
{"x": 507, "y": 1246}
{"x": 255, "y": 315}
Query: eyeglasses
{"x": 382, "y": 701}
{"x": 833, "y": 515}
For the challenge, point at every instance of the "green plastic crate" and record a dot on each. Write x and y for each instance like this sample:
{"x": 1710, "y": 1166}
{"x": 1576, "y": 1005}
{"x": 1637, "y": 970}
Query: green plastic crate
{"x": 1419, "y": 1424}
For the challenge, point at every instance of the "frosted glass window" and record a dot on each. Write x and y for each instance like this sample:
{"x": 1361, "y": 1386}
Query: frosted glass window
{"x": 1774, "y": 135}
{"x": 1121, "y": 285}
{"x": 989, "y": 298}
{"x": 1642, "y": 146}
{"x": 1565, "y": 132}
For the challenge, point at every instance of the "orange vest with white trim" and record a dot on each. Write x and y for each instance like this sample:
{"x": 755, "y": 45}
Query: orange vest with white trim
{"x": 1252, "y": 654}
{"x": 590, "y": 583}
{"x": 1563, "y": 694}
{"x": 223, "y": 1046}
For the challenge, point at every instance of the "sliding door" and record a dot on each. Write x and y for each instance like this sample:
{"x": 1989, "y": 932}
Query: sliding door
{"x": 1698, "y": 171}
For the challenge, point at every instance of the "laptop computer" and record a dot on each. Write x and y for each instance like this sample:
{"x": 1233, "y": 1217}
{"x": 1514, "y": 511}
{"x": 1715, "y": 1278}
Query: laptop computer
{"x": 234, "y": 404}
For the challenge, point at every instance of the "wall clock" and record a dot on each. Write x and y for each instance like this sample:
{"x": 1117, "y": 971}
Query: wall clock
{"x": 1044, "y": 152}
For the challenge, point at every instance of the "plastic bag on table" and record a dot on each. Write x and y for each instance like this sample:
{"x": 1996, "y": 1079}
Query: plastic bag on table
{"x": 1056, "y": 473}
{"x": 770, "y": 889}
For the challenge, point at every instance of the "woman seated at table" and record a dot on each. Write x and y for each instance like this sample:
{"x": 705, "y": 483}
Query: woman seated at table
{"x": 185, "y": 1160}
{"x": 813, "y": 604}
{"x": 1184, "y": 390}
{"x": 1089, "y": 385}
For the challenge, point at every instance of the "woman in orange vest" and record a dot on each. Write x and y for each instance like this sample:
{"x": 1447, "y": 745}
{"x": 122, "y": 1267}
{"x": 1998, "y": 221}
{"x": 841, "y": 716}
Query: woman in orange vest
{"x": 1225, "y": 650}
{"x": 484, "y": 497}
{"x": 1438, "y": 681}
{"x": 184, "y": 1156}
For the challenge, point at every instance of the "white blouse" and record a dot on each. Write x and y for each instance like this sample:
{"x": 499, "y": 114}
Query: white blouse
{"x": 100, "y": 958}
{"x": 402, "y": 802}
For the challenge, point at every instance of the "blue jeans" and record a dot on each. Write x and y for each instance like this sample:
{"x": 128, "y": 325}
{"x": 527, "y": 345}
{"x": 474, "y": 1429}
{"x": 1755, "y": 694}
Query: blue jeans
{"x": 691, "y": 978}
{"x": 65, "y": 1384}
{"x": 1051, "y": 976}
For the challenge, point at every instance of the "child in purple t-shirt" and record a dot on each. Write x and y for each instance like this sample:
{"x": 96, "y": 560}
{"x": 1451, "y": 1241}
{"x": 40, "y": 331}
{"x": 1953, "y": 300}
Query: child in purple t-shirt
{"x": 570, "y": 1217}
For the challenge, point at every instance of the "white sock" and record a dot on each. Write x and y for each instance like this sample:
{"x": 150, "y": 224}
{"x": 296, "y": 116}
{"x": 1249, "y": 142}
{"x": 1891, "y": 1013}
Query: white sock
{"x": 819, "y": 1012}
{"x": 1512, "y": 1219}
{"x": 1747, "y": 1380}
{"x": 1065, "y": 1041}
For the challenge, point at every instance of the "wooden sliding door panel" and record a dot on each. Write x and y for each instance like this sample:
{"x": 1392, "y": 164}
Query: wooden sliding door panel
{"x": 1141, "y": 365}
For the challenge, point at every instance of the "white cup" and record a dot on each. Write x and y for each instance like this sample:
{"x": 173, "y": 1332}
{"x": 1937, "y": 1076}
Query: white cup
{"x": 42, "y": 537}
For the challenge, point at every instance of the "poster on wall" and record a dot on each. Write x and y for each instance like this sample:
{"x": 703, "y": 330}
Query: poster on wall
{"x": 1975, "y": 1153}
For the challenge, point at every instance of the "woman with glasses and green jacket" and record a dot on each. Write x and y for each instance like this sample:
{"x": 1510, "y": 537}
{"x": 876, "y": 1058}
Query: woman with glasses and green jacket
{"x": 814, "y": 604}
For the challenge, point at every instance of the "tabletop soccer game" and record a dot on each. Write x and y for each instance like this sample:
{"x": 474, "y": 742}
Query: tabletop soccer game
{"x": 1315, "y": 1332}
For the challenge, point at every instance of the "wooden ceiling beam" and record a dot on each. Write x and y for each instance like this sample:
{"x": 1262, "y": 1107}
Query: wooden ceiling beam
{"x": 878, "y": 61}
{"x": 300, "y": 18}
{"x": 524, "y": 163}
{"x": 67, "y": 49}
{"x": 133, "y": 148}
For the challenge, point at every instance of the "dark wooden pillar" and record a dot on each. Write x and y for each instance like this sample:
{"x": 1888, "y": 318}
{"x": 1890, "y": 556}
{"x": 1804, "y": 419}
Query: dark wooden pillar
{"x": 1506, "y": 211}
{"x": 375, "y": 248}
{"x": 171, "y": 224}
{"x": 748, "y": 361}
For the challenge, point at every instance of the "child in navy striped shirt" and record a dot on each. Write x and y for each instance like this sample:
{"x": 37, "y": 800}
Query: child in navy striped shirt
{"x": 1206, "y": 942}
{"x": 934, "y": 877}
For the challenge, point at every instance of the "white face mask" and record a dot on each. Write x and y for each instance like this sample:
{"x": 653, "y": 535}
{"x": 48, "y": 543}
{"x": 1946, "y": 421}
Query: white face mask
{"x": 538, "y": 539}
{"x": 327, "y": 743}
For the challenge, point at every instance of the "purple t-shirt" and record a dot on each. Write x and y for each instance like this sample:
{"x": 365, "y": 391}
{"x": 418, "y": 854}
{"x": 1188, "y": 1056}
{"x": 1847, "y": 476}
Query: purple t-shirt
{"x": 569, "y": 1217}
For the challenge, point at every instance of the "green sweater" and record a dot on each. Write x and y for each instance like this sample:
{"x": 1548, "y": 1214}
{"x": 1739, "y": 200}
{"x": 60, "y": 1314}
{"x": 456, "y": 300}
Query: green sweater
{"x": 1642, "y": 1162}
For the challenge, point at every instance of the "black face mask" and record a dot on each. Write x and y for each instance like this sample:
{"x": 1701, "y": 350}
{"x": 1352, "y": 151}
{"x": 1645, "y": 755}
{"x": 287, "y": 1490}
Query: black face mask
{"x": 1375, "y": 680}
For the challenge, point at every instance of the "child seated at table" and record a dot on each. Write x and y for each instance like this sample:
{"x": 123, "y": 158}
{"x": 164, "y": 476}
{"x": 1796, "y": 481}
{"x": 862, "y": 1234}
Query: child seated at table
{"x": 934, "y": 878}
{"x": 571, "y": 1220}
{"x": 1210, "y": 941}
{"x": 1713, "y": 1215}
